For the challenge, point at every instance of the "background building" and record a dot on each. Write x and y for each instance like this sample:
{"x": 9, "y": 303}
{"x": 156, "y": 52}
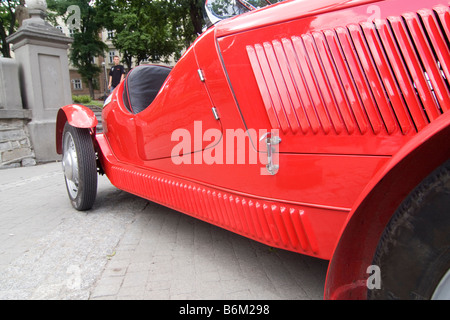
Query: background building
{"x": 78, "y": 86}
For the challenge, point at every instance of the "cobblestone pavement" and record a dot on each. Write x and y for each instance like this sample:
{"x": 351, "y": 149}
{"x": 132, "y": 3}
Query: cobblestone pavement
{"x": 130, "y": 248}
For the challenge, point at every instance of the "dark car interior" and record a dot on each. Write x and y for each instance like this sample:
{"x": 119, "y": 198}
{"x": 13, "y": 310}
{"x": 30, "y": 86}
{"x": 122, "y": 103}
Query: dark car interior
{"x": 141, "y": 86}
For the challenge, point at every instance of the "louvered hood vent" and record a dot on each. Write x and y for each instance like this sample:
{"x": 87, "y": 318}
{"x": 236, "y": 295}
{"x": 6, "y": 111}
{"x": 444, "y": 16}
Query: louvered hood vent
{"x": 387, "y": 76}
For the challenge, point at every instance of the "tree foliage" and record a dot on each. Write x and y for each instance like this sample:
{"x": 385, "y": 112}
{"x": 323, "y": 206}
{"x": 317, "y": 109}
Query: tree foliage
{"x": 87, "y": 43}
{"x": 189, "y": 16}
{"x": 8, "y": 23}
{"x": 152, "y": 30}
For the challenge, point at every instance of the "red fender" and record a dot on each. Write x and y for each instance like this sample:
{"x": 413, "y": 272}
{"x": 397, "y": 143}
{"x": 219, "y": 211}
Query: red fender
{"x": 78, "y": 116}
{"x": 347, "y": 272}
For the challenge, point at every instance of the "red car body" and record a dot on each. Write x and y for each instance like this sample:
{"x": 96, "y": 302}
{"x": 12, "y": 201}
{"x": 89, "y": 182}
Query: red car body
{"x": 342, "y": 86}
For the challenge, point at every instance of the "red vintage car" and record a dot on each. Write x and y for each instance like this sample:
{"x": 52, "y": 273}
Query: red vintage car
{"x": 319, "y": 127}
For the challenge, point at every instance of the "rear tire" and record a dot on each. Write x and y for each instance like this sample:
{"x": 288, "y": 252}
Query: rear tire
{"x": 414, "y": 251}
{"x": 80, "y": 167}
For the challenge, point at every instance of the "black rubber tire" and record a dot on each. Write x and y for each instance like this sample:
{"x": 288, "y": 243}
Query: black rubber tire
{"x": 83, "y": 197}
{"x": 414, "y": 251}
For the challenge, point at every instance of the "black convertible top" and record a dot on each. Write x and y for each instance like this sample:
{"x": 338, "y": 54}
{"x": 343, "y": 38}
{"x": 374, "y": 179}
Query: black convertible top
{"x": 142, "y": 85}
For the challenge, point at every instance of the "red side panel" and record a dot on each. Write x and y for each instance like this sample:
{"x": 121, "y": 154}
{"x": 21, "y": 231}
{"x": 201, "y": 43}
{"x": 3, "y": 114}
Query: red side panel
{"x": 285, "y": 225}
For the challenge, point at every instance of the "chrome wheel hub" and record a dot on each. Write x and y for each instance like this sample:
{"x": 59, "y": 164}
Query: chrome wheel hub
{"x": 442, "y": 291}
{"x": 70, "y": 165}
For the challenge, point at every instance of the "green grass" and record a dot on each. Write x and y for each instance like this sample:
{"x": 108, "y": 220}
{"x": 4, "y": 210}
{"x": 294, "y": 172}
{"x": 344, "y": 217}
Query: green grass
{"x": 86, "y": 100}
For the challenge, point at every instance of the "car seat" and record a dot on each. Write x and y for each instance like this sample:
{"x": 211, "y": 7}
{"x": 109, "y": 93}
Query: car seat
{"x": 141, "y": 86}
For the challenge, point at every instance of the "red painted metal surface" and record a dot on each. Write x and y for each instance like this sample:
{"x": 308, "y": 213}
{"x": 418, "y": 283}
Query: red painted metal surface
{"x": 280, "y": 224}
{"x": 76, "y": 115}
{"x": 347, "y": 273}
{"x": 79, "y": 116}
{"x": 346, "y": 90}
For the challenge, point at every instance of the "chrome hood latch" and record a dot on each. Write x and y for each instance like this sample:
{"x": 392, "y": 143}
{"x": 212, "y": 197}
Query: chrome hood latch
{"x": 272, "y": 162}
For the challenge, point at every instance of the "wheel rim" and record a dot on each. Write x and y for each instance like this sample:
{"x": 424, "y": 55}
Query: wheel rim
{"x": 70, "y": 165}
{"x": 442, "y": 291}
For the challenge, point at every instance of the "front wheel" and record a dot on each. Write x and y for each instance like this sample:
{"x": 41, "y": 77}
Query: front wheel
{"x": 79, "y": 166}
{"x": 413, "y": 255}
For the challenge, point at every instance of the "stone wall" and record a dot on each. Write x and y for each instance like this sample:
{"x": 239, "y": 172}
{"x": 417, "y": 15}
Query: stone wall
{"x": 15, "y": 144}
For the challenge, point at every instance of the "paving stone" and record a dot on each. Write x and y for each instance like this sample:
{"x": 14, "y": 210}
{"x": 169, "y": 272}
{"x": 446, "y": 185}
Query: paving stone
{"x": 129, "y": 248}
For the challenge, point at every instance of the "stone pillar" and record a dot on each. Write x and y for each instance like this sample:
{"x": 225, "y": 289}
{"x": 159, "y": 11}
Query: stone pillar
{"x": 10, "y": 95}
{"x": 15, "y": 146}
{"x": 41, "y": 51}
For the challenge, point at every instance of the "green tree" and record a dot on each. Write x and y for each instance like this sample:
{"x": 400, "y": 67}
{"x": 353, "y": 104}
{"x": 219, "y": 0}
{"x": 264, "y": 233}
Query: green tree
{"x": 142, "y": 30}
{"x": 152, "y": 30}
{"x": 87, "y": 43}
{"x": 188, "y": 15}
{"x": 8, "y": 23}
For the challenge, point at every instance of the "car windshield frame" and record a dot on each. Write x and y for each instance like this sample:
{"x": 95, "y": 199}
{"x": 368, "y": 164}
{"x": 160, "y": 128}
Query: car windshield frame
{"x": 218, "y": 10}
